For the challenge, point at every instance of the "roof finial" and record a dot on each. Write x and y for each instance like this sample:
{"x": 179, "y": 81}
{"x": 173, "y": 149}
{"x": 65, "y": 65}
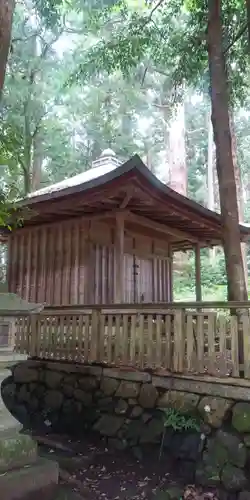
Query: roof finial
{"x": 108, "y": 152}
{"x": 107, "y": 157}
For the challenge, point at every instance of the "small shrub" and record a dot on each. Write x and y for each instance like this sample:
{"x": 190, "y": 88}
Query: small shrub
{"x": 178, "y": 422}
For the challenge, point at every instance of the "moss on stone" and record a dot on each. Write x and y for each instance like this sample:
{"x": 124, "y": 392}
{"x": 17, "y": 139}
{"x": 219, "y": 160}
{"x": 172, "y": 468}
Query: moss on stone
{"x": 241, "y": 417}
{"x": 16, "y": 450}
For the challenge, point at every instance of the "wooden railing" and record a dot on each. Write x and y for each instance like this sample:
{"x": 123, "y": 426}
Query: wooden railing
{"x": 153, "y": 337}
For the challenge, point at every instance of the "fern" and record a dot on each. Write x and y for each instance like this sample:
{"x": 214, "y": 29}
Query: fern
{"x": 178, "y": 421}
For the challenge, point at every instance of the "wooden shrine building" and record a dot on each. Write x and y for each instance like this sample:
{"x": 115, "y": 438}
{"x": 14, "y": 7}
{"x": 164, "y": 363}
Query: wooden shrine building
{"x": 107, "y": 236}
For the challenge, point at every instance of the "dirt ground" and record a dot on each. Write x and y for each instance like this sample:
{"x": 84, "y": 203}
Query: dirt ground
{"x": 91, "y": 471}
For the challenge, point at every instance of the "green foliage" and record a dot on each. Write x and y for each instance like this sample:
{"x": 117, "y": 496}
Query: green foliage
{"x": 212, "y": 270}
{"x": 129, "y": 63}
{"x": 171, "y": 35}
{"x": 179, "y": 421}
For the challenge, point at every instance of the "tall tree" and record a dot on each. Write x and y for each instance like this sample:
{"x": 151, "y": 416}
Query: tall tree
{"x": 6, "y": 16}
{"x": 177, "y": 152}
{"x": 177, "y": 34}
{"x": 224, "y": 157}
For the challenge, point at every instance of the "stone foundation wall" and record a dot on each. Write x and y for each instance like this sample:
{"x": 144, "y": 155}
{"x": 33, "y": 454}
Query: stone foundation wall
{"x": 209, "y": 434}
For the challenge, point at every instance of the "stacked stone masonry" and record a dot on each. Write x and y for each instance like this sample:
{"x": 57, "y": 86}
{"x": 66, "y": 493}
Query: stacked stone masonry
{"x": 127, "y": 409}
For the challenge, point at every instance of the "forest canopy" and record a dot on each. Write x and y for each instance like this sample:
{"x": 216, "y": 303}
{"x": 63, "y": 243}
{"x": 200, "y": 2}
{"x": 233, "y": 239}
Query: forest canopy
{"x": 83, "y": 76}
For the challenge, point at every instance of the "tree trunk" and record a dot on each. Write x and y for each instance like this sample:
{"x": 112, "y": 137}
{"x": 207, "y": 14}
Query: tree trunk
{"x": 177, "y": 152}
{"x": 37, "y": 161}
{"x": 224, "y": 159}
{"x": 210, "y": 166}
{"x": 248, "y": 22}
{"x": 6, "y": 16}
{"x": 210, "y": 175}
{"x": 239, "y": 191}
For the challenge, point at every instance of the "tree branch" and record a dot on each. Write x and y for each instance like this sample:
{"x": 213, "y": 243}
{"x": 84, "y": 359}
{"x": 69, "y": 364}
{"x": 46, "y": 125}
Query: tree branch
{"x": 248, "y": 22}
{"x": 154, "y": 9}
{"x": 236, "y": 38}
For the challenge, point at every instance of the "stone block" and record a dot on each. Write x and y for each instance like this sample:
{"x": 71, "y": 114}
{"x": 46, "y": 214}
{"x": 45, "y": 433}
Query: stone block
{"x": 128, "y": 390}
{"x": 200, "y": 387}
{"x": 24, "y": 394}
{"x": 73, "y": 367}
{"x": 236, "y": 451}
{"x": 132, "y": 376}
{"x": 213, "y": 410}
{"x": 207, "y": 474}
{"x": 23, "y": 374}
{"x": 241, "y": 417}
{"x": 108, "y": 425}
{"x": 246, "y": 440}
{"x": 136, "y": 412}
{"x": 53, "y": 400}
{"x": 68, "y": 390}
{"x": 95, "y": 371}
{"x": 84, "y": 397}
{"x": 88, "y": 383}
{"x": 37, "y": 481}
{"x": 182, "y": 401}
{"x": 52, "y": 379}
{"x": 121, "y": 407}
{"x": 148, "y": 396}
{"x": 233, "y": 478}
{"x": 109, "y": 386}
{"x": 16, "y": 450}
{"x": 152, "y": 432}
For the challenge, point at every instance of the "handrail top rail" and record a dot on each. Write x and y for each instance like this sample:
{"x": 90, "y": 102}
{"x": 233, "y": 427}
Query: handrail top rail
{"x": 155, "y": 306}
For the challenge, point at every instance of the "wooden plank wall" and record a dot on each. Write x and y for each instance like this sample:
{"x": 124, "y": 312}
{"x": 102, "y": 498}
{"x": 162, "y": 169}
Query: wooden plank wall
{"x": 73, "y": 263}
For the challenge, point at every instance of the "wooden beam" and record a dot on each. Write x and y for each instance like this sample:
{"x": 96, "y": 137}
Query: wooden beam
{"x": 198, "y": 292}
{"x": 106, "y": 214}
{"x": 127, "y": 199}
{"x": 119, "y": 259}
{"x": 162, "y": 228}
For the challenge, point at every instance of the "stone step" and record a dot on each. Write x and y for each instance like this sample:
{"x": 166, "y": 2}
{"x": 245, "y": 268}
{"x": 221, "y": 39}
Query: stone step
{"x": 8, "y": 423}
{"x": 37, "y": 481}
{"x": 8, "y": 358}
{"x": 16, "y": 450}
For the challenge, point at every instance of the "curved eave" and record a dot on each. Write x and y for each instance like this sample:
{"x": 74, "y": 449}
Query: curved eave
{"x": 134, "y": 173}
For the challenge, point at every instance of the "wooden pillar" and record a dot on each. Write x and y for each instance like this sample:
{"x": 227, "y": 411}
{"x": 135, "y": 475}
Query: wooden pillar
{"x": 170, "y": 275}
{"x": 198, "y": 293}
{"x": 89, "y": 268}
{"x": 119, "y": 259}
{"x": 9, "y": 263}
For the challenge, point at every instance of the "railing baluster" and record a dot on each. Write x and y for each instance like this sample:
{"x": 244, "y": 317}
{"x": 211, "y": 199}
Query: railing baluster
{"x": 141, "y": 340}
{"x": 109, "y": 338}
{"x": 234, "y": 346}
{"x": 246, "y": 344}
{"x": 133, "y": 340}
{"x": 117, "y": 339}
{"x": 178, "y": 342}
{"x": 167, "y": 363}
{"x": 200, "y": 343}
{"x": 124, "y": 340}
{"x": 95, "y": 323}
{"x": 101, "y": 352}
{"x": 150, "y": 346}
{"x": 158, "y": 336}
{"x": 190, "y": 342}
{"x": 85, "y": 337}
{"x": 158, "y": 340}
